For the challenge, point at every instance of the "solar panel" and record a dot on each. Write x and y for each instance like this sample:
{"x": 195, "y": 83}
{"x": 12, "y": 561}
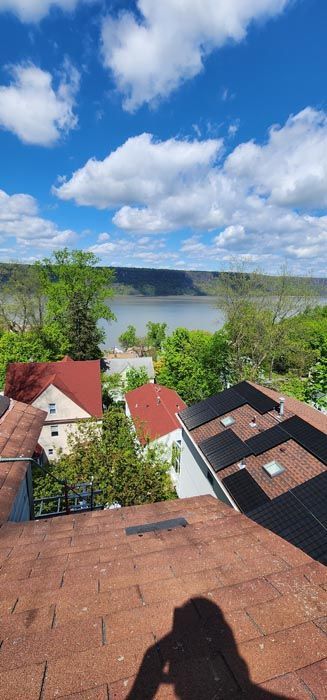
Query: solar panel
{"x": 245, "y": 491}
{"x": 259, "y": 401}
{"x": 299, "y": 516}
{"x": 267, "y": 440}
{"x": 313, "y": 495}
{"x": 224, "y": 449}
{"x": 310, "y": 438}
{"x": 211, "y": 408}
{"x": 4, "y": 404}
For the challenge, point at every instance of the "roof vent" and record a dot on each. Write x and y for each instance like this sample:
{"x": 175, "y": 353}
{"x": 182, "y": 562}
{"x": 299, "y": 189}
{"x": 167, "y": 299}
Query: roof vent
{"x": 242, "y": 464}
{"x": 155, "y": 527}
{"x": 281, "y": 405}
{"x": 253, "y": 422}
{"x": 158, "y": 400}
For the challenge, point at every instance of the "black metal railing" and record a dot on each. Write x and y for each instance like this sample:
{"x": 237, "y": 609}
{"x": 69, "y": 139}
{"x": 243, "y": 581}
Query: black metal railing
{"x": 72, "y": 499}
{"x": 79, "y": 498}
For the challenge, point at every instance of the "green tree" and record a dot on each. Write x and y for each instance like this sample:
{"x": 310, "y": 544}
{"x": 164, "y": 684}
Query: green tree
{"x": 135, "y": 378}
{"x": 111, "y": 454}
{"x": 83, "y": 333}
{"x": 22, "y": 300}
{"x": 256, "y": 309}
{"x": 128, "y": 338}
{"x": 156, "y": 333}
{"x": 112, "y": 386}
{"x": 22, "y": 347}
{"x": 316, "y": 391}
{"x": 73, "y": 284}
{"x": 194, "y": 363}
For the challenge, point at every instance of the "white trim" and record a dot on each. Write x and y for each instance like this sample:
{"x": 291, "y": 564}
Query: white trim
{"x": 208, "y": 465}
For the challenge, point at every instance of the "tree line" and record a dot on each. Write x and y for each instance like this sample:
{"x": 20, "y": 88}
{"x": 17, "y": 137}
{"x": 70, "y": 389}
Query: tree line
{"x": 53, "y": 308}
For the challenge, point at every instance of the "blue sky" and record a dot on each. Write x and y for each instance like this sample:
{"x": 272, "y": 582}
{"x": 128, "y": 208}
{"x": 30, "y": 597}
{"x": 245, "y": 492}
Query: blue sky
{"x": 184, "y": 134}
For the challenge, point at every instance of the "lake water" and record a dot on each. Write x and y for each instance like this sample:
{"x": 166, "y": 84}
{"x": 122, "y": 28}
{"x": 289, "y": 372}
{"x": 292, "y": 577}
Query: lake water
{"x": 195, "y": 313}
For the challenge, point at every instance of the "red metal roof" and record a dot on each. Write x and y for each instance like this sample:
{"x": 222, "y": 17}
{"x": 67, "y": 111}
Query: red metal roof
{"x": 153, "y": 408}
{"x": 80, "y": 380}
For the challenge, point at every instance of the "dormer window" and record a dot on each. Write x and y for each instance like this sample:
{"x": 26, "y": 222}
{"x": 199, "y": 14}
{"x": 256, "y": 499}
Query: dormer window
{"x": 227, "y": 421}
{"x": 273, "y": 468}
{"x": 52, "y": 409}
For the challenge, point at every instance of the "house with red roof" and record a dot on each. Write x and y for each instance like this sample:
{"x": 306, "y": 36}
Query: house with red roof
{"x": 153, "y": 409}
{"x": 67, "y": 391}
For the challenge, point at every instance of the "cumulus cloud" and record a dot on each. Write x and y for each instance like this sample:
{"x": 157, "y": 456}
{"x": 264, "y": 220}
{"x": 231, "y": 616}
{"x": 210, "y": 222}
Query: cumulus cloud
{"x": 291, "y": 169}
{"x": 20, "y": 220}
{"x": 141, "y": 170}
{"x": 151, "y": 53}
{"x": 259, "y": 200}
{"x": 34, "y": 10}
{"x": 32, "y": 109}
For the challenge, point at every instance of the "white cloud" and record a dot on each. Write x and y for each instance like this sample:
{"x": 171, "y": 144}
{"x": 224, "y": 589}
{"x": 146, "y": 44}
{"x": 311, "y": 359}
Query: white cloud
{"x": 141, "y": 170}
{"x": 291, "y": 169}
{"x": 152, "y": 53}
{"x": 260, "y": 200}
{"x": 34, "y": 10}
{"x": 20, "y": 220}
{"x": 33, "y": 110}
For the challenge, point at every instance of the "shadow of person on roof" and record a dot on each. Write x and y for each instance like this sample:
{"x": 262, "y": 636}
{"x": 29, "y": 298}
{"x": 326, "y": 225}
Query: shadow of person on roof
{"x": 198, "y": 660}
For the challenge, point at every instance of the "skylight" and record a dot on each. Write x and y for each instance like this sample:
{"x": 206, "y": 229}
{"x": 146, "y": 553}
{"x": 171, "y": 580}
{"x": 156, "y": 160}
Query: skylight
{"x": 229, "y": 420}
{"x": 273, "y": 468}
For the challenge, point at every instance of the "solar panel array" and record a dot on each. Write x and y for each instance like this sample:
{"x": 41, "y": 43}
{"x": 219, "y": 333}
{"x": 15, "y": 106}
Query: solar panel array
{"x": 259, "y": 401}
{"x": 310, "y": 438}
{"x": 299, "y": 516}
{"x": 224, "y": 402}
{"x": 211, "y": 408}
{"x": 224, "y": 449}
{"x": 4, "y": 404}
{"x": 244, "y": 490}
{"x": 267, "y": 440}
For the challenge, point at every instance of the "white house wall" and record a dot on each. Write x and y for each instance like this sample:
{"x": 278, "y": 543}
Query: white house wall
{"x": 193, "y": 479}
{"x": 66, "y": 410}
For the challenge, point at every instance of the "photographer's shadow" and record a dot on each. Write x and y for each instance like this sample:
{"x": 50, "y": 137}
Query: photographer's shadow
{"x": 199, "y": 660}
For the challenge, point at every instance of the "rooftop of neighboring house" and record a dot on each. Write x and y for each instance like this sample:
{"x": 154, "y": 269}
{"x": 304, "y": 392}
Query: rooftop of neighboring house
{"x": 79, "y": 380}
{"x": 118, "y": 365}
{"x": 214, "y": 607}
{"x": 153, "y": 410}
{"x": 260, "y": 455}
{"x": 20, "y": 427}
{"x": 120, "y": 355}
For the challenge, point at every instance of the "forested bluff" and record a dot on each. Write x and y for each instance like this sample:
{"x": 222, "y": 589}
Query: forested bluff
{"x": 164, "y": 282}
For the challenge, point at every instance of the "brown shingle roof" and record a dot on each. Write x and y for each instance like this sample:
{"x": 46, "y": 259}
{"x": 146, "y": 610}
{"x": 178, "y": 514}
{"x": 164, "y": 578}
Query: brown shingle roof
{"x": 298, "y": 408}
{"x": 20, "y": 429}
{"x": 299, "y": 464}
{"x": 219, "y": 609}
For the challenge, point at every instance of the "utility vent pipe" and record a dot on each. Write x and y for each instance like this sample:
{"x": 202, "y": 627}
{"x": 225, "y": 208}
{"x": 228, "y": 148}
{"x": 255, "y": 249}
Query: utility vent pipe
{"x": 281, "y": 405}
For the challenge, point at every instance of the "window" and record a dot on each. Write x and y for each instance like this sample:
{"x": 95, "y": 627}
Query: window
{"x": 273, "y": 468}
{"x": 54, "y": 431}
{"x": 50, "y": 451}
{"x": 210, "y": 477}
{"x": 229, "y": 420}
{"x": 52, "y": 409}
{"x": 176, "y": 456}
